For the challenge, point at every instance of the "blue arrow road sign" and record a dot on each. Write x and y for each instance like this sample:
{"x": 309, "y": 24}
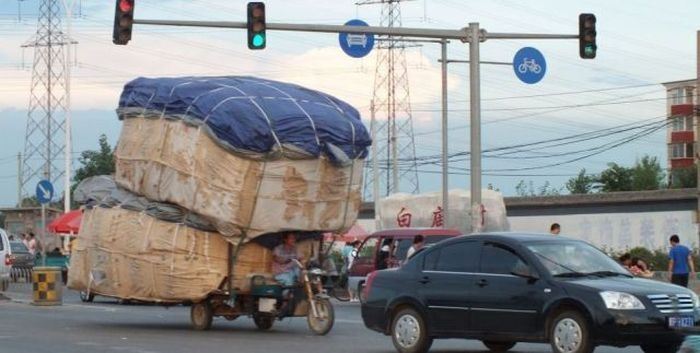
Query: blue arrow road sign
{"x": 356, "y": 45}
{"x": 529, "y": 65}
{"x": 44, "y": 191}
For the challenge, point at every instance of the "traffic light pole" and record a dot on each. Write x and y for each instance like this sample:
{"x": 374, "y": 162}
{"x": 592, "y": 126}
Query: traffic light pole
{"x": 472, "y": 35}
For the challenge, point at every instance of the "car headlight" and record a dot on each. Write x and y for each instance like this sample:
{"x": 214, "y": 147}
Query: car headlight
{"x": 621, "y": 301}
{"x": 696, "y": 300}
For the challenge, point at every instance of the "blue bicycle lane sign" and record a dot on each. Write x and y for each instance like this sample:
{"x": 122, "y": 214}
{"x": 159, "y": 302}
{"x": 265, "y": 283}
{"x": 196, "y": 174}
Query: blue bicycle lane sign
{"x": 529, "y": 65}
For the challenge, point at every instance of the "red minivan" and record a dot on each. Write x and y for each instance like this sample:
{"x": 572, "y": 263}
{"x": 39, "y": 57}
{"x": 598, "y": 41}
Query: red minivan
{"x": 398, "y": 240}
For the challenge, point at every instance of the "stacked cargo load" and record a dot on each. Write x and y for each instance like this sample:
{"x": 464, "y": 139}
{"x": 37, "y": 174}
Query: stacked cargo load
{"x": 133, "y": 248}
{"x": 207, "y": 168}
{"x": 254, "y": 156}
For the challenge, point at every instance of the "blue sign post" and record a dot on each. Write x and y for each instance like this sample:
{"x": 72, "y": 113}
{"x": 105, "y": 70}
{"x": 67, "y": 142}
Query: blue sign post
{"x": 356, "y": 45}
{"x": 44, "y": 192}
{"x": 529, "y": 65}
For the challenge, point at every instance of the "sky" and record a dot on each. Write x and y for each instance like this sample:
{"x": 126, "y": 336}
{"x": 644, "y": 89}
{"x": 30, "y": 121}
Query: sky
{"x": 620, "y": 89}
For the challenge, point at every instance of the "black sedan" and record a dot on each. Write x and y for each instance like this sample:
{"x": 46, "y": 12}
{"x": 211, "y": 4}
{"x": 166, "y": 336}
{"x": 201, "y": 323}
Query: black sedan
{"x": 505, "y": 288}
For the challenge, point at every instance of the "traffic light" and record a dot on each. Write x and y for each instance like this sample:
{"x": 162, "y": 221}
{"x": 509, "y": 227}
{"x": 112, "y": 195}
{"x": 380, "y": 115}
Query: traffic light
{"x": 256, "y": 26}
{"x": 123, "y": 22}
{"x": 586, "y": 35}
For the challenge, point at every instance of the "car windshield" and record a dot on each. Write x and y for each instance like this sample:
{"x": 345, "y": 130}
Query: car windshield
{"x": 18, "y": 247}
{"x": 575, "y": 258}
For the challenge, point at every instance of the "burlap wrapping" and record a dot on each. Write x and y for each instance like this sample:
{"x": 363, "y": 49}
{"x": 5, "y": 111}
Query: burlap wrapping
{"x": 131, "y": 255}
{"x": 172, "y": 161}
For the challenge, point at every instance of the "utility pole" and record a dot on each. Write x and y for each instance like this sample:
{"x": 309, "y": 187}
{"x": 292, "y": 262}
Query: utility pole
{"x": 445, "y": 169}
{"x": 475, "y": 125}
{"x": 19, "y": 179}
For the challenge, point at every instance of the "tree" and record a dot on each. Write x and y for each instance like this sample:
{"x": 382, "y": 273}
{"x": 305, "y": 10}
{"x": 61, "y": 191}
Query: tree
{"x": 683, "y": 178}
{"x": 524, "y": 189}
{"x": 95, "y": 162}
{"x": 647, "y": 174}
{"x": 581, "y": 184}
{"x": 615, "y": 178}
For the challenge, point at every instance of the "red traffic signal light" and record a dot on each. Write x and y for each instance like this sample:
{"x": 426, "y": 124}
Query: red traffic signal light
{"x": 256, "y": 26}
{"x": 587, "y": 36}
{"x": 123, "y": 22}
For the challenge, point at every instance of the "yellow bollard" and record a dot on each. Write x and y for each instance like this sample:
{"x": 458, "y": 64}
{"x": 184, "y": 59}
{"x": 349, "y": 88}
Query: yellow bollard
{"x": 47, "y": 286}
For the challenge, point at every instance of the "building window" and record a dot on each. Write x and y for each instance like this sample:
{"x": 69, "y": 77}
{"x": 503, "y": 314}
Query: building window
{"x": 676, "y": 96}
{"x": 677, "y": 124}
{"x": 681, "y": 150}
{"x": 681, "y": 123}
{"x": 689, "y": 93}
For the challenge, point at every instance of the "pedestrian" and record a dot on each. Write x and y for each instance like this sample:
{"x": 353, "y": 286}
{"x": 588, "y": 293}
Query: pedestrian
{"x": 355, "y": 246}
{"x": 384, "y": 259}
{"x": 31, "y": 243}
{"x": 25, "y": 239}
{"x": 418, "y": 243}
{"x": 680, "y": 264}
{"x": 555, "y": 229}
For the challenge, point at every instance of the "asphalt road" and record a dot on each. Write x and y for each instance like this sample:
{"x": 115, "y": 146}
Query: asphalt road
{"x": 105, "y": 326}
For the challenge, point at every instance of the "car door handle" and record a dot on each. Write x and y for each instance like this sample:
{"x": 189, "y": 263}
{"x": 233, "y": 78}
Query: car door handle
{"x": 482, "y": 283}
{"x": 424, "y": 280}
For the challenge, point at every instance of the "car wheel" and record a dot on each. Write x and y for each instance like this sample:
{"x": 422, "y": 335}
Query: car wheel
{"x": 498, "y": 346}
{"x": 569, "y": 333}
{"x": 408, "y": 332}
{"x": 201, "y": 315}
{"x": 661, "y": 348}
{"x": 4, "y": 284}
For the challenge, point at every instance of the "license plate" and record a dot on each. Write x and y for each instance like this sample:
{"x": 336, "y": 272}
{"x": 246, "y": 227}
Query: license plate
{"x": 266, "y": 305}
{"x": 681, "y": 321}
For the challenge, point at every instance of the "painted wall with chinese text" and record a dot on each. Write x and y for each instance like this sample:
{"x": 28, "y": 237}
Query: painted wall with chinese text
{"x": 617, "y": 231}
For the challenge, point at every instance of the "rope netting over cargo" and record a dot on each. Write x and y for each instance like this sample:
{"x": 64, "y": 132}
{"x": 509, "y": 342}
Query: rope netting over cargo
{"x": 259, "y": 118}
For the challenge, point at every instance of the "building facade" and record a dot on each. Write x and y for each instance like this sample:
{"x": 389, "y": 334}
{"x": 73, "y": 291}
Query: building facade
{"x": 681, "y": 137}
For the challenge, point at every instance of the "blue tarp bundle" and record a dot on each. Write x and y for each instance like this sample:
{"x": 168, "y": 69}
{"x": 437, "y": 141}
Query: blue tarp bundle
{"x": 254, "y": 116}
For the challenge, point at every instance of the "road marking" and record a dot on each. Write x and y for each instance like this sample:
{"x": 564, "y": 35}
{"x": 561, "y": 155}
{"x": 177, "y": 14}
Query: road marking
{"x": 347, "y": 321}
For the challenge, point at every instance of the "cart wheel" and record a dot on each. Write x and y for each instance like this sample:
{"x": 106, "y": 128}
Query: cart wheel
{"x": 86, "y": 298}
{"x": 263, "y": 322}
{"x": 324, "y": 323}
{"x": 201, "y": 315}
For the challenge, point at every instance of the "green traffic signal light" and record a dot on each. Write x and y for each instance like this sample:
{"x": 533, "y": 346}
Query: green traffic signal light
{"x": 587, "y": 35}
{"x": 258, "y": 40}
{"x": 256, "y": 25}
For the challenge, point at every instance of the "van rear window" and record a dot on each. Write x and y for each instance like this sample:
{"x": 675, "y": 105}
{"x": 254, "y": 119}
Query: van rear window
{"x": 18, "y": 247}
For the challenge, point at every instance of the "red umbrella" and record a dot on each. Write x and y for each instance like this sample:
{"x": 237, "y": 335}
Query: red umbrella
{"x": 67, "y": 223}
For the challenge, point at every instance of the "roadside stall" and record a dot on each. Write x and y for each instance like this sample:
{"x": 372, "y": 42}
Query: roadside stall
{"x": 66, "y": 227}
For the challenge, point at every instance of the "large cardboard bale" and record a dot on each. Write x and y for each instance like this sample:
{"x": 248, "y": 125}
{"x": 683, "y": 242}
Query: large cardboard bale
{"x": 169, "y": 160}
{"x": 131, "y": 255}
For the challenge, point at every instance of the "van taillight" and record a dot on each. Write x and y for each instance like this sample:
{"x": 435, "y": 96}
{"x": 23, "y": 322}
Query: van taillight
{"x": 8, "y": 260}
{"x": 368, "y": 284}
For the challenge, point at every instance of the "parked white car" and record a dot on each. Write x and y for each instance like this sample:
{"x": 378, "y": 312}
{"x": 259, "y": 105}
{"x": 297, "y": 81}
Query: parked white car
{"x": 5, "y": 266}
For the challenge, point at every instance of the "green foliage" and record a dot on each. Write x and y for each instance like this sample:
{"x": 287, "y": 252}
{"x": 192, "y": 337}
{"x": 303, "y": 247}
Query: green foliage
{"x": 647, "y": 174}
{"x": 581, "y": 184}
{"x": 95, "y": 162}
{"x": 682, "y": 178}
{"x": 524, "y": 189}
{"x": 615, "y": 178}
{"x": 657, "y": 259}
